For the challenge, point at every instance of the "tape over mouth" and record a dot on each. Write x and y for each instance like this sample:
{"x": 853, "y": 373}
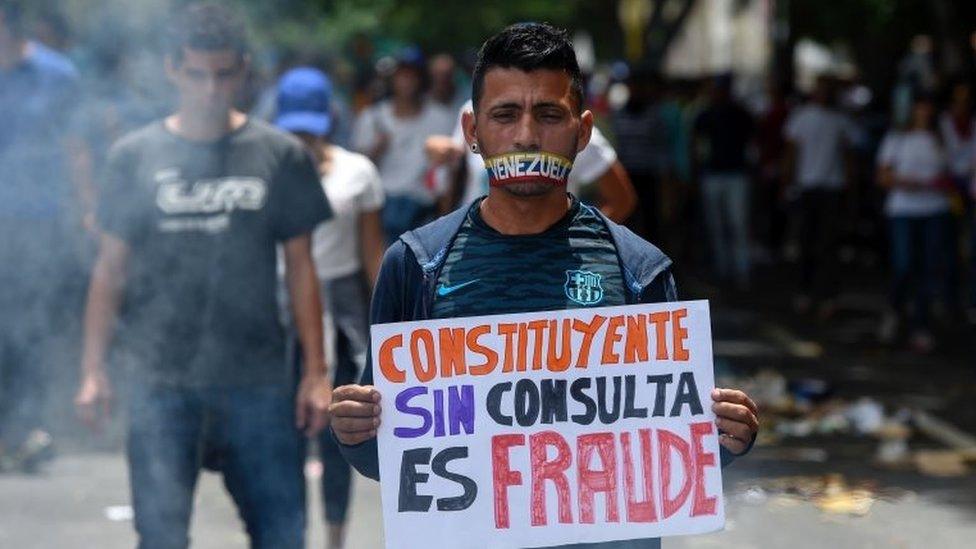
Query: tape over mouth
{"x": 525, "y": 167}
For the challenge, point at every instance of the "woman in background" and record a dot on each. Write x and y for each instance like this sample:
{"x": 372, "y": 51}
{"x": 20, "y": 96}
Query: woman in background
{"x": 913, "y": 167}
{"x": 347, "y": 250}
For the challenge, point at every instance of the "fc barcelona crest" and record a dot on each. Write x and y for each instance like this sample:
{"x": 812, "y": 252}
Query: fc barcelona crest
{"x": 584, "y": 287}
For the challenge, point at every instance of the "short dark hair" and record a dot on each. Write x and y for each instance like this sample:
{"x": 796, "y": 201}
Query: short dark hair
{"x": 13, "y": 16}
{"x": 208, "y": 27}
{"x": 528, "y": 47}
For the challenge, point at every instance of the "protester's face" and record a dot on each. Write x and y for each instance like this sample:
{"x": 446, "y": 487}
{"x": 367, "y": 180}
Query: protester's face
{"x": 442, "y": 73}
{"x": 207, "y": 81}
{"x": 406, "y": 82}
{"x": 528, "y": 112}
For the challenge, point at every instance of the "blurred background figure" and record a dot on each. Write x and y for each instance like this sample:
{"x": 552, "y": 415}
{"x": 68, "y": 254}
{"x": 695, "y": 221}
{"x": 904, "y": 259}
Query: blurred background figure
{"x": 447, "y": 88}
{"x": 40, "y": 221}
{"x": 347, "y": 251}
{"x": 771, "y": 215}
{"x": 644, "y": 148}
{"x": 392, "y": 133}
{"x": 913, "y": 166}
{"x": 723, "y": 132}
{"x": 819, "y": 135}
{"x": 957, "y": 129}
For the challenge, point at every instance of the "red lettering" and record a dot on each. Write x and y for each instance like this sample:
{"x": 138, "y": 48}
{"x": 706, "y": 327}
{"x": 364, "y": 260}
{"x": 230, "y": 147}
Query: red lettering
{"x": 502, "y": 474}
{"x": 592, "y": 481}
{"x": 666, "y": 443}
{"x": 555, "y": 470}
{"x": 639, "y": 511}
{"x": 701, "y": 505}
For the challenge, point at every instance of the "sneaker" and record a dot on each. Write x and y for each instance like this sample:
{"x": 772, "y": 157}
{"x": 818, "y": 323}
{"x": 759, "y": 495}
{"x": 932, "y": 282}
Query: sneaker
{"x": 38, "y": 448}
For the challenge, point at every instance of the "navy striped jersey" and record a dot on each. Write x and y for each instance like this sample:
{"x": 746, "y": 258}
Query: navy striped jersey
{"x": 572, "y": 264}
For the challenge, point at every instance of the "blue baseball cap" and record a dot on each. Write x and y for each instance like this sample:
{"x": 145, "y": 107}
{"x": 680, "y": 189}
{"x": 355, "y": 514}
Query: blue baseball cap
{"x": 304, "y": 96}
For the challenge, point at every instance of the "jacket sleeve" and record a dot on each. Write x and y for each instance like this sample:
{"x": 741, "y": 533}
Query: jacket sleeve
{"x": 387, "y": 306}
{"x": 662, "y": 289}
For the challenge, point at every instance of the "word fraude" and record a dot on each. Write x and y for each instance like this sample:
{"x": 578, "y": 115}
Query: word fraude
{"x": 525, "y": 167}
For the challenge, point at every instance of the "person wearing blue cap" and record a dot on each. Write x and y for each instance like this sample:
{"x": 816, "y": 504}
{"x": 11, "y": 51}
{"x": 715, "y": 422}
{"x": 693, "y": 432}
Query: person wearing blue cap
{"x": 347, "y": 250}
{"x": 392, "y": 133}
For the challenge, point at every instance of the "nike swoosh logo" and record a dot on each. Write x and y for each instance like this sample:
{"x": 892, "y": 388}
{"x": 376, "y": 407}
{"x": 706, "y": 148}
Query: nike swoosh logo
{"x": 443, "y": 290}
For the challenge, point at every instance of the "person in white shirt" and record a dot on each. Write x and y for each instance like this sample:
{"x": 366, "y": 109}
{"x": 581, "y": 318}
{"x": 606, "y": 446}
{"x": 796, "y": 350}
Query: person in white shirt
{"x": 392, "y": 133}
{"x": 597, "y": 165}
{"x": 913, "y": 167}
{"x": 347, "y": 250}
{"x": 818, "y": 135}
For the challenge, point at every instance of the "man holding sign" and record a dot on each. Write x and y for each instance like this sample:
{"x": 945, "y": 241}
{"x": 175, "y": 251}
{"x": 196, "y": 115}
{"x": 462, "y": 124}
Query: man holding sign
{"x": 530, "y": 248}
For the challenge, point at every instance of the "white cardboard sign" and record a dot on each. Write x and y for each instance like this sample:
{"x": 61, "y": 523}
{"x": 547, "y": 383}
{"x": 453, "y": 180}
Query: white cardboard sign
{"x": 548, "y": 428}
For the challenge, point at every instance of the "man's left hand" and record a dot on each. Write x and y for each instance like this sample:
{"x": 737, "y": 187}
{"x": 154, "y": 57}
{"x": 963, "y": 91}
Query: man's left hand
{"x": 312, "y": 404}
{"x": 737, "y": 418}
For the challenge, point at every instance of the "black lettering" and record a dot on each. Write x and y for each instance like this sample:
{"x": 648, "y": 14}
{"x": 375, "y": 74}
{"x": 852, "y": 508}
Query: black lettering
{"x": 526, "y": 402}
{"x": 494, "y": 403}
{"x": 687, "y": 394}
{"x": 577, "y": 390}
{"x": 607, "y": 417}
{"x": 630, "y": 390}
{"x": 662, "y": 381}
{"x": 439, "y": 467}
{"x": 409, "y": 500}
{"x": 553, "y": 400}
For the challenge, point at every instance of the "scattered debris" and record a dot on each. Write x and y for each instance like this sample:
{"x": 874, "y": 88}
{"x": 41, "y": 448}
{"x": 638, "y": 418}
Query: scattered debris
{"x": 941, "y": 463}
{"x": 830, "y": 493}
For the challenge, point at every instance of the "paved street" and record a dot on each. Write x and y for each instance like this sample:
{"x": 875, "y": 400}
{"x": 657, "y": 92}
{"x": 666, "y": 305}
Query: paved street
{"x": 801, "y": 492}
{"x": 68, "y": 507}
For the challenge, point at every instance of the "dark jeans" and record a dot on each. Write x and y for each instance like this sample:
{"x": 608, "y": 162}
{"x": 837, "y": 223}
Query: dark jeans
{"x": 821, "y": 217}
{"x": 917, "y": 260}
{"x": 252, "y": 432}
{"x": 347, "y": 299}
{"x": 403, "y": 213}
{"x": 347, "y": 303}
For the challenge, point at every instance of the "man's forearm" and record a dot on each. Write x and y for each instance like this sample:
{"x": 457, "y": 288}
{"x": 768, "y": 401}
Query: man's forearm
{"x": 101, "y": 312}
{"x": 306, "y": 307}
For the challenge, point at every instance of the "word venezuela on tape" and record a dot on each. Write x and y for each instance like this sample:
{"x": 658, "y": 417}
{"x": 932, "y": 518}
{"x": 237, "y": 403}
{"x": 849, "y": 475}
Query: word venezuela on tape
{"x": 548, "y": 428}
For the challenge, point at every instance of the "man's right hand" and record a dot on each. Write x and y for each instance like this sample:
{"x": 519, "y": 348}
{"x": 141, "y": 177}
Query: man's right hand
{"x": 355, "y": 413}
{"x": 94, "y": 399}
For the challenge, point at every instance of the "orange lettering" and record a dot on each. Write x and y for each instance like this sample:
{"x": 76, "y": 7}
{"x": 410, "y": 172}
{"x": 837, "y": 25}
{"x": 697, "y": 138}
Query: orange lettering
{"x": 612, "y": 337}
{"x": 589, "y": 330}
{"x": 424, "y": 372}
{"x": 679, "y": 333}
{"x": 452, "y": 351}
{"x": 491, "y": 357}
{"x": 635, "y": 346}
{"x": 660, "y": 321}
{"x": 387, "y": 365}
